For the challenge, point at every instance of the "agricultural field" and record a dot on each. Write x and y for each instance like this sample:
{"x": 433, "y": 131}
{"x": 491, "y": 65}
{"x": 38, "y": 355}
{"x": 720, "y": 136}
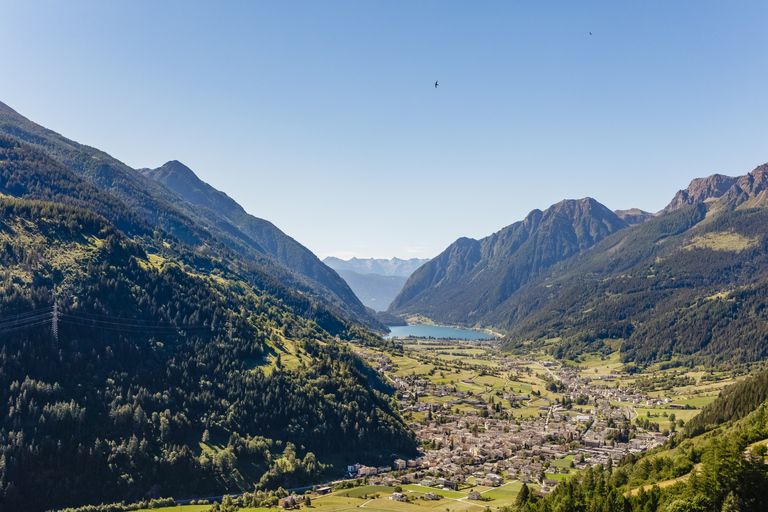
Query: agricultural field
{"x": 440, "y": 492}
{"x": 384, "y": 504}
{"x": 365, "y": 491}
{"x": 656, "y": 415}
{"x": 597, "y": 366}
{"x": 505, "y": 495}
{"x": 180, "y": 508}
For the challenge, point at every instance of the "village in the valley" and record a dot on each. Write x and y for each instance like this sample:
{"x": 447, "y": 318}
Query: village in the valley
{"x": 484, "y": 423}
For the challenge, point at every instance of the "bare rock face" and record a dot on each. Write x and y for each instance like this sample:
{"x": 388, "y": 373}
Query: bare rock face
{"x": 701, "y": 190}
{"x": 751, "y": 189}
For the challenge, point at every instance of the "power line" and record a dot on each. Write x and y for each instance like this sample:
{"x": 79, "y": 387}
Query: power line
{"x": 53, "y": 315}
{"x": 55, "y": 323}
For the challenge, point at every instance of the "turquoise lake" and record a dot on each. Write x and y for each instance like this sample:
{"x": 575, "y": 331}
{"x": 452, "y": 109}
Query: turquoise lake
{"x": 402, "y": 331}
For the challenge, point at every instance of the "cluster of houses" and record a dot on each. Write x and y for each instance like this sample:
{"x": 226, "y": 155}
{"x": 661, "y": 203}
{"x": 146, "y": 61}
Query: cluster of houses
{"x": 378, "y": 360}
{"x": 470, "y": 445}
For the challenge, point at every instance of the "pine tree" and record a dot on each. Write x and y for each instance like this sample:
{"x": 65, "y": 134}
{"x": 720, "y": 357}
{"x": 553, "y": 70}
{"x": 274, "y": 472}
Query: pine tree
{"x": 522, "y": 496}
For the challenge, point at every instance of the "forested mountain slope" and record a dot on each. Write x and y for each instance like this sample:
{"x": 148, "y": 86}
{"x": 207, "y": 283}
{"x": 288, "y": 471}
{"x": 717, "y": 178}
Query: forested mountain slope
{"x": 198, "y": 227}
{"x": 471, "y": 280}
{"x": 128, "y": 373}
{"x": 733, "y": 404}
{"x": 260, "y": 234}
{"x": 691, "y": 285}
{"x": 26, "y": 172}
{"x": 688, "y": 285}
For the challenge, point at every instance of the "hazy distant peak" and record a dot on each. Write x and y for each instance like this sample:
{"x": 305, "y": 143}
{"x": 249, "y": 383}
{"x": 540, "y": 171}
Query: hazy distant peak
{"x": 381, "y": 266}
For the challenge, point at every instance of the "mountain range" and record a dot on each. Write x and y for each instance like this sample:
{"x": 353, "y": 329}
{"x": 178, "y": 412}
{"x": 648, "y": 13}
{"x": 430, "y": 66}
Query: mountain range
{"x": 686, "y": 285}
{"x": 376, "y": 281}
{"x": 157, "y": 339}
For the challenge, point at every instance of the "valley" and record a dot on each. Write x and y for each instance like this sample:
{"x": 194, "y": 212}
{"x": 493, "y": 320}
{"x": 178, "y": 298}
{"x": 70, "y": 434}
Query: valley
{"x": 488, "y": 424}
{"x": 161, "y": 346}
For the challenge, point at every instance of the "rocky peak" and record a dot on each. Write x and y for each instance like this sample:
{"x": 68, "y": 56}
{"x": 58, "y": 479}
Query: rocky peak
{"x": 701, "y": 190}
{"x": 755, "y": 182}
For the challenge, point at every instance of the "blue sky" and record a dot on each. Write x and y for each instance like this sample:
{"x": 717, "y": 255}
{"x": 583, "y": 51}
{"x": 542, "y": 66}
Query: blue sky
{"x": 323, "y": 118}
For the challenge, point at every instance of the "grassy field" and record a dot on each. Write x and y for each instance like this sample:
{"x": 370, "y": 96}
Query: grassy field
{"x": 439, "y": 492}
{"x": 179, "y": 508}
{"x": 558, "y": 476}
{"x": 698, "y": 402}
{"x": 505, "y": 495}
{"x": 596, "y": 366}
{"x": 384, "y": 504}
{"x": 366, "y": 490}
{"x": 565, "y": 462}
{"x": 663, "y": 422}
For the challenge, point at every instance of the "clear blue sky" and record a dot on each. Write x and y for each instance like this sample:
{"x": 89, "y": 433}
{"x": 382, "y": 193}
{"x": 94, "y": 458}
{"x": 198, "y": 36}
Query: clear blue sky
{"x": 323, "y": 118}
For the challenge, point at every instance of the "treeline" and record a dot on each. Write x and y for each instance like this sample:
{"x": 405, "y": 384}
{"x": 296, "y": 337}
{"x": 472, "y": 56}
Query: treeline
{"x": 734, "y": 403}
{"x": 151, "y": 361}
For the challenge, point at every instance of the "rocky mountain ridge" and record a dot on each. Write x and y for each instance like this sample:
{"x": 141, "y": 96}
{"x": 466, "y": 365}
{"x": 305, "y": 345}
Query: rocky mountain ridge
{"x": 471, "y": 278}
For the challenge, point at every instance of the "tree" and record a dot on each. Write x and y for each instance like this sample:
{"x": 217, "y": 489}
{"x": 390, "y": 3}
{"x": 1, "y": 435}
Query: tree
{"x": 522, "y": 496}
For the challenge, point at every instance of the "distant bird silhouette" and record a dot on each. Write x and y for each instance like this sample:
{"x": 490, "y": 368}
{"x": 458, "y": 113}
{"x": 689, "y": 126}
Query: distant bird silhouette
{"x": 435, "y": 84}
{"x": 590, "y": 33}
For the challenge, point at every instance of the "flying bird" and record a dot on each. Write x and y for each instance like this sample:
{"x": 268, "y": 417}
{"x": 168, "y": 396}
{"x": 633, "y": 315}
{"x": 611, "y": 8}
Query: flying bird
{"x": 435, "y": 84}
{"x": 590, "y": 33}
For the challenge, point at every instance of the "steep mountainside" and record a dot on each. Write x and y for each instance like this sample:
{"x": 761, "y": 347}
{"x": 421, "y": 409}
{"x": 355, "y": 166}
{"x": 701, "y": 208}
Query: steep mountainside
{"x": 136, "y": 368}
{"x": 27, "y": 173}
{"x": 690, "y": 284}
{"x": 257, "y": 233}
{"x": 199, "y": 227}
{"x": 471, "y": 279}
